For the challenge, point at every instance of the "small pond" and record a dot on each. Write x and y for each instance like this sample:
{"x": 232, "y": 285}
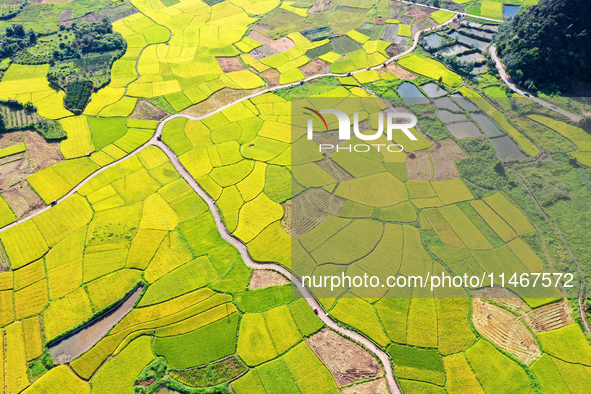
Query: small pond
{"x": 411, "y": 94}
{"x": 487, "y": 125}
{"x": 506, "y": 149}
{"x": 479, "y": 69}
{"x": 464, "y": 102}
{"x": 475, "y": 57}
{"x": 446, "y": 102}
{"x": 447, "y": 117}
{"x": 453, "y": 50}
{"x": 509, "y": 10}
{"x": 469, "y": 41}
{"x": 433, "y": 90}
{"x": 72, "y": 346}
{"x": 481, "y": 34}
{"x": 463, "y": 129}
{"x": 433, "y": 40}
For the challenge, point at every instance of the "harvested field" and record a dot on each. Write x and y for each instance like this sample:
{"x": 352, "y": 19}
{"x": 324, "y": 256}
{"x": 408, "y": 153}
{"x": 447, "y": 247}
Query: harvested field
{"x": 14, "y": 172}
{"x": 146, "y": 110}
{"x": 503, "y": 297}
{"x": 282, "y": 44}
{"x": 347, "y": 361}
{"x": 255, "y": 35}
{"x": 419, "y": 167}
{"x": 263, "y": 52}
{"x": 309, "y": 208}
{"x": 400, "y": 45}
{"x": 266, "y": 278}
{"x": 505, "y": 330}
{"x": 419, "y": 12}
{"x": 422, "y": 25}
{"x": 377, "y": 386}
{"x": 390, "y": 32}
{"x": 314, "y": 67}
{"x": 399, "y": 71}
{"x": 320, "y": 6}
{"x": 22, "y": 199}
{"x": 41, "y": 153}
{"x": 272, "y": 76}
{"x": 443, "y": 155}
{"x": 10, "y": 139}
{"x": 229, "y": 64}
{"x": 65, "y": 15}
{"x": 218, "y": 100}
{"x": 334, "y": 170}
{"x": 550, "y": 317}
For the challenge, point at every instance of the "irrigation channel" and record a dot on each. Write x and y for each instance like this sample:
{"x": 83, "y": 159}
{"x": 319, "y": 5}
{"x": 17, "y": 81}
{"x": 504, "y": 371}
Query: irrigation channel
{"x": 314, "y": 304}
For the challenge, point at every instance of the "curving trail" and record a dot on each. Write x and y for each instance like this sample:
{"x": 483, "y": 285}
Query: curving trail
{"x": 505, "y": 77}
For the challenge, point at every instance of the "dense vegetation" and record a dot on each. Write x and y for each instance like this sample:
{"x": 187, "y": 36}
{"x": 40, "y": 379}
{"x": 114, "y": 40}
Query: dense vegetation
{"x": 77, "y": 95}
{"x": 481, "y": 167}
{"x": 15, "y": 39}
{"x": 548, "y": 46}
{"x": 548, "y": 188}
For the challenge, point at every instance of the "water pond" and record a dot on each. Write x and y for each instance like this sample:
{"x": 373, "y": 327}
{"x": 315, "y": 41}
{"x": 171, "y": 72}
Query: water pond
{"x": 446, "y": 102}
{"x": 411, "y": 94}
{"x": 433, "y": 90}
{"x": 463, "y": 129}
{"x": 72, "y": 346}
{"x": 464, "y": 102}
{"x": 507, "y": 149}
{"x": 479, "y": 33}
{"x": 475, "y": 57}
{"x": 447, "y": 117}
{"x": 487, "y": 125}
{"x": 433, "y": 40}
{"x": 509, "y": 10}
{"x": 469, "y": 41}
{"x": 453, "y": 50}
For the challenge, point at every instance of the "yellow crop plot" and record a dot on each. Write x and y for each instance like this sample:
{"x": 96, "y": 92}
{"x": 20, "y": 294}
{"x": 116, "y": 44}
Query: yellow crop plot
{"x": 23, "y": 244}
{"x": 31, "y": 300}
{"x": 65, "y": 313}
{"x": 16, "y": 359}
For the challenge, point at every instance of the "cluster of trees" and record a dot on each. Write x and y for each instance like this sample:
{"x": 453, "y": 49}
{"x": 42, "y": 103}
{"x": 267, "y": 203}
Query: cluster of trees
{"x": 548, "y": 46}
{"x": 482, "y": 166}
{"x": 545, "y": 186}
{"x": 15, "y": 39}
{"x": 77, "y": 95}
{"x": 90, "y": 37}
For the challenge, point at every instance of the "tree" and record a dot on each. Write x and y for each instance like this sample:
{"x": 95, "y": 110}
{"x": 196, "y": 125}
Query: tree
{"x": 32, "y": 37}
{"x": 436, "y": 4}
{"x": 19, "y": 30}
{"x": 9, "y": 31}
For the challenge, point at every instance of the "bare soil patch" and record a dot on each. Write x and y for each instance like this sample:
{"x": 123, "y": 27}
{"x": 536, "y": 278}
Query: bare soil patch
{"x": 378, "y": 386}
{"x": 10, "y": 139}
{"x": 65, "y": 15}
{"x": 315, "y": 67}
{"x": 263, "y": 52}
{"x": 443, "y": 155}
{"x": 255, "y": 35}
{"x": 148, "y": 111}
{"x": 550, "y": 317}
{"x": 266, "y": 278}
{"x": 272, "y": 76}
{"x": 419, "y": 12}
{"x": 399, "y": 71}
{"x": 422, "y": 25}
{"x": 418, "y": 168}
{"x": 505, "y": 329}
{"x": 503, "y": 297}
{"x": 41, "y": 153}
{"x": 229, "y": 64}
{"x": 13, "y": 172}
{"x": 22, "y": 199}
{"x": 334, "y": 170}
{"x": 399, "y": 46}
{"x": 281, "y": 45}
{"x": 347, "y": 361}
{"x": 218, "y": 100}
{"x": 320, "y": 6}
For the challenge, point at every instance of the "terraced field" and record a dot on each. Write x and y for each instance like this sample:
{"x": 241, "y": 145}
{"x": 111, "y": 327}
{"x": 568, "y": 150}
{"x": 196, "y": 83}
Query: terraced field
{"x": 182, "y": 230}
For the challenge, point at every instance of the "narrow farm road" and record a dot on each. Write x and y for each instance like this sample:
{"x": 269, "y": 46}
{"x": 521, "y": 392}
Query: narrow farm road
{"x": 507, "y": 80}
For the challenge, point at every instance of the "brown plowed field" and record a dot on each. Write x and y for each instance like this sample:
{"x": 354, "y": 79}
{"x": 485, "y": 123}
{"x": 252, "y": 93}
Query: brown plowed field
{"x": 503, "y": 297}
{"x": 419, "y": 167}
{"x": 550, "y": 317}
{"x": 347, "y": 361}
{"x": 266, "y": 278}
{"x": 443, "y": 155}
{"x": 505, "y": 330}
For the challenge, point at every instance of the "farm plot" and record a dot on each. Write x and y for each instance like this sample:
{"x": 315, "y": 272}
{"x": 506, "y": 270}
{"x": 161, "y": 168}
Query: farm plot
{"x": 505, "y": 330}
{"x": 442, "y": 155}
{"x": 550, "y": 317}
{"x": 419, "y": 167}
{"x": 430, "y": 68}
